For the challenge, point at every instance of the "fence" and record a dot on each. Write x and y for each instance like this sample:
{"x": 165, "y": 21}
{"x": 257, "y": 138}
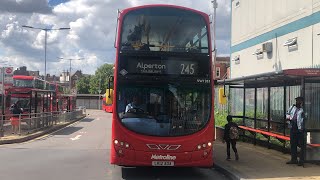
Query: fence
{"x": 25, "y": 124}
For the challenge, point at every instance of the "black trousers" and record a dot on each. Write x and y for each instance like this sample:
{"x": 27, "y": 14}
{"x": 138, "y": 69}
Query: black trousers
{"x": 233, "y": 143}
{"x": 296, "y": 139}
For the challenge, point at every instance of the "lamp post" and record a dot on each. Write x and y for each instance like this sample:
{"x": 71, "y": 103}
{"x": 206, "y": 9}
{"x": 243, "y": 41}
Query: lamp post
{"x": 70, "y": 59}
{"x": 45, "y": 45}
{"x": 215, "y": 6}
{"x": 99, "y": 91}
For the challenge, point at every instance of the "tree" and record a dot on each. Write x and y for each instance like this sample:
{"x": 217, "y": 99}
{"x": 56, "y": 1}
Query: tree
{"x": 83, "y": 85}
{"x": 101, "y": 78}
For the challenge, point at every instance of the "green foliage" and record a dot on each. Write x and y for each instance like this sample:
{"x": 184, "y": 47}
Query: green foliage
{"x": 260, "y": 115}
{"x": 101, "y": 78}
{"x": 83, "y": 85}
{"x": 220, "y": 118}
{"x": 97, "y": 81}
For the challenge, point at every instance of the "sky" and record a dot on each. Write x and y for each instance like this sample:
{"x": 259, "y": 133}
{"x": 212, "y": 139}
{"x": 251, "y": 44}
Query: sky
{"x": 91, "y": 36}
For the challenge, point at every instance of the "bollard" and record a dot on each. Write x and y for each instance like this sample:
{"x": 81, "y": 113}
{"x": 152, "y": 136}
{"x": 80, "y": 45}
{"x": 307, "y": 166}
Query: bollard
{"x": 19, "y": 133}
{"x": 1, "y": 126}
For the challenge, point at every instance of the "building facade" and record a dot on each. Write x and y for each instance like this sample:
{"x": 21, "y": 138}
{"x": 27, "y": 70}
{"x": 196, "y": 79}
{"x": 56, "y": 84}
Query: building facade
{"x": 274, "y": 35}
{"x": 221, "y": 67}
{"x": 23, "y": 71}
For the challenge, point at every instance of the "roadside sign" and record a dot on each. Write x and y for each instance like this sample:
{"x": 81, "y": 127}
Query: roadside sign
{"x": 6, "y": 75}
{"x": 8, "y": 70}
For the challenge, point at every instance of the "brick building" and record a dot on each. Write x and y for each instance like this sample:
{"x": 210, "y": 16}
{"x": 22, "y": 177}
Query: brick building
{"x": 222, "y": 68}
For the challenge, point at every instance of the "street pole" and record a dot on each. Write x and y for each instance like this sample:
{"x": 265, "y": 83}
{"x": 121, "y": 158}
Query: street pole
{"x": 3, "y": 103}
{"x": 70, "y": 70}
{"x": 45, "y": 57}
{"x": 99, "y": 90}
{"x": 70, "y": 76}
{"x": 215, "y": 6}
{"x": 45, "y": 45}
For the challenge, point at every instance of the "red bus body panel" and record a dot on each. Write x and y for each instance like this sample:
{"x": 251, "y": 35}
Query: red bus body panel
{"x": 106, "y": 108}
{"x": 138, "y": 153}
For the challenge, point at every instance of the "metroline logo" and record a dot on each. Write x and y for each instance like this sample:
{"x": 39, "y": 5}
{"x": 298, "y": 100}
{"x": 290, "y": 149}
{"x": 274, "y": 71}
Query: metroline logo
{"x": 161, "y": 157}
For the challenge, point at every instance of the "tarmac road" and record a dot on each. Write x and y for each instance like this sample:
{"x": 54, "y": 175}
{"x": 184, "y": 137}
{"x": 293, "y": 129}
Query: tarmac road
{"x": 81, "y": 152}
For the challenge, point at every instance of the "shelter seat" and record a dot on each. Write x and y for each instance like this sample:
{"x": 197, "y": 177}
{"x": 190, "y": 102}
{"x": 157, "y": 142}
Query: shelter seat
{"x": 314, "y": 145}
{"x": 278, "y": 136}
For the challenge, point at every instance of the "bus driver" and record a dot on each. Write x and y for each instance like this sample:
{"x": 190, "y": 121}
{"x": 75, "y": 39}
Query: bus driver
{"x": 136, "y": 104}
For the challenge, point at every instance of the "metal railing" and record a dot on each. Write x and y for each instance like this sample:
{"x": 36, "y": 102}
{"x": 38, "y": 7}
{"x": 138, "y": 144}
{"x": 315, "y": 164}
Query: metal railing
{"x": 24, "y": 124}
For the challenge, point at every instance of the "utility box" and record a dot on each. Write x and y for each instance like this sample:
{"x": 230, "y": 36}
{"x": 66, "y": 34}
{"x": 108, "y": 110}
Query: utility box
{"x": 267, "y": 47}
{"x": 222, "y": 97}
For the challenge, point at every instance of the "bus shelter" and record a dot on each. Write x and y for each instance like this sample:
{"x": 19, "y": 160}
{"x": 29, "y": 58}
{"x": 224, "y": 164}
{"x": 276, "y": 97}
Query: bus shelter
{"x": 258, "y": 103}
{"x": 32, "y": 100}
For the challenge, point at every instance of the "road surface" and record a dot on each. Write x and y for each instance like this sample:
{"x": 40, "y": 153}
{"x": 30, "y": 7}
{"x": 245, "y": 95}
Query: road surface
{"x": 81, "y": 152}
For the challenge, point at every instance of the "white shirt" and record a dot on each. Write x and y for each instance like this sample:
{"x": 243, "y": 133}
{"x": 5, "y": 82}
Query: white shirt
{"x": 290, "y": 114}
{"x": 131, "y": 105}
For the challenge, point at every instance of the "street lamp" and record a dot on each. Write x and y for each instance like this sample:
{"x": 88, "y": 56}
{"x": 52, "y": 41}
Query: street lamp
{"x": 45, "y": 45}
{"x": 215, "y": 6}
{"x": 99, "y": 91}
{"x": 70, "y": 59}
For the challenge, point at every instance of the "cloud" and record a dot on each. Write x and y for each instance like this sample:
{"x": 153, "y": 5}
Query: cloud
{"x": 92, "y": 33}
{"x": 25, "y": 6}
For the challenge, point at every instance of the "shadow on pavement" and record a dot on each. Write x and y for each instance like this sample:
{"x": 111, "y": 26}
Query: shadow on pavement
{"x": 141, "y": 173}
{"x": 87, "y": 120}
{"x": 262, "y": 163}
{"x": 68, "y": 130}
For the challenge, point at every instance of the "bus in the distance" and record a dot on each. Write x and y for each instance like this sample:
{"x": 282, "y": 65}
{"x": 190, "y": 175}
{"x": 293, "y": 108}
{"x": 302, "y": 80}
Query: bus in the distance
{"x": 107, "y": 101}
{"x": 29, "y": 94}
{"x": 163, "y": 102}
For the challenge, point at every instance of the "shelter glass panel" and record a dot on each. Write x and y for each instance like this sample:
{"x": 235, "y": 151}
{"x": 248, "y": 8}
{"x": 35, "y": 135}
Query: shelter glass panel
{"x": 312, "y": 106}
{"x": 292, "y": 93}
{"x": 236, "y": 101}
{"x": 276, "y": 109}
{"x": 262, "y": 103}
{"x": 313, "y": 146}
{"x": 249, "y": 103}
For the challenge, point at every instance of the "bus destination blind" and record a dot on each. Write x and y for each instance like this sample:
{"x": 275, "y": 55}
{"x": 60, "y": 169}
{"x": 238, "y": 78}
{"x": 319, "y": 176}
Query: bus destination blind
{"x": 172, "y": 67}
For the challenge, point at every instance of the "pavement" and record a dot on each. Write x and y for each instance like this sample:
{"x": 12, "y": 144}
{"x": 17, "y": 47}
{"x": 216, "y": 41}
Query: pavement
{"x": 261, "y": 163}
{"x": 11, "y": 139}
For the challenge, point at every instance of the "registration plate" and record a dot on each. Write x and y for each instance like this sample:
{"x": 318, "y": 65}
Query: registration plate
{"x": 162, "y": 163}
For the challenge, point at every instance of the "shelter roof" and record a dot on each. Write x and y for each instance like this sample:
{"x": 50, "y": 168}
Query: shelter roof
{"x": 287, "y": 77}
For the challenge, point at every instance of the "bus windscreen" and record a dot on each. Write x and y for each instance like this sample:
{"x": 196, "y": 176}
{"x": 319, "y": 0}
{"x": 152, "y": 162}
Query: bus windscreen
{"x": 165, "y": 30}
{"x": 164, "y": 110}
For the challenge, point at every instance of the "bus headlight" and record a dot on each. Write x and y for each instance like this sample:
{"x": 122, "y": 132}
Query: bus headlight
{"x": 204, "y": 145}
{"x": 199, "y": 147}
{"x": 116, "y": 142}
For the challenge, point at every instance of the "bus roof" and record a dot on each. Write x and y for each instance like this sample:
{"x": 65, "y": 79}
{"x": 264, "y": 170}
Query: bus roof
{"x": 23, "y": 77}
{"x": 125, "y": 11}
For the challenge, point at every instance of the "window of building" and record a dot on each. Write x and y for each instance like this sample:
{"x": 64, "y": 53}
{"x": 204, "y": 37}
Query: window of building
{"x": 217, "y": 72}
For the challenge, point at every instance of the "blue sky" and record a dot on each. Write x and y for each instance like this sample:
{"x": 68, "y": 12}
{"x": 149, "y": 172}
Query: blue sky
{"x": 91, "y": 36}
{"x": 56, "y": 2}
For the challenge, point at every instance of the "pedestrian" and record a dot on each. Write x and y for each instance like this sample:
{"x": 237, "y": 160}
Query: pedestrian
{"x": 15, "y": 110}
{"x": 231, "y": 135}
{"x": 295, "y": 117}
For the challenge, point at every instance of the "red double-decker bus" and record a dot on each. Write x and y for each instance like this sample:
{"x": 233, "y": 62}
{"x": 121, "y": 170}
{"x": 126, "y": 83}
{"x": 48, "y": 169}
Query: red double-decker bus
{"x": 107, "y": 101}
{"x": 163, "y": 103}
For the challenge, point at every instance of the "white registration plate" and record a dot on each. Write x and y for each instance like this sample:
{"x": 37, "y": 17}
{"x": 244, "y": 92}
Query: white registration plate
{"x": 162, "y": 163}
